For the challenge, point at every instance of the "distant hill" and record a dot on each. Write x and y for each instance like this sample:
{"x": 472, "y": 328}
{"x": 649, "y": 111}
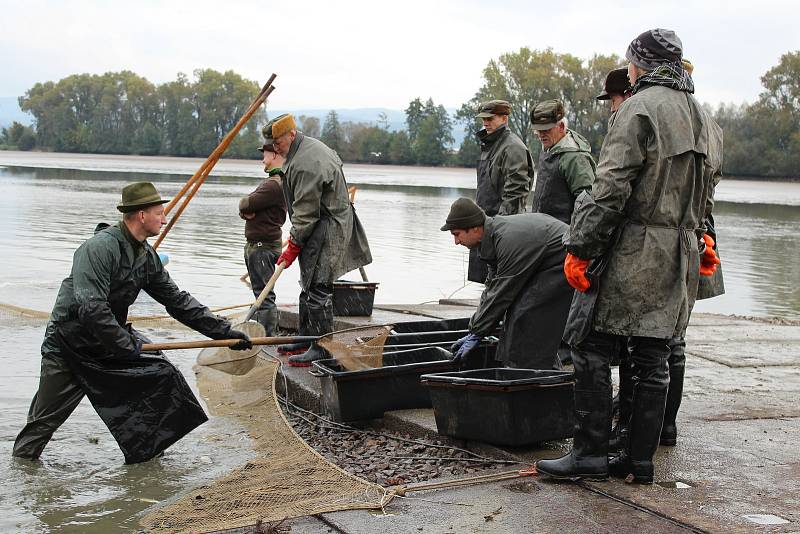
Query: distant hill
{"x": 10, "y": 112}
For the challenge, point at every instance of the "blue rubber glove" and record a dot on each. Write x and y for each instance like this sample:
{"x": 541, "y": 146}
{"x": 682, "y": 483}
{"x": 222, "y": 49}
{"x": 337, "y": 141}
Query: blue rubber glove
{"x": 464, "y": 346}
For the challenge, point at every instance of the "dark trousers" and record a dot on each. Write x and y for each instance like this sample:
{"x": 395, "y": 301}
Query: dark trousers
{"x": 260, "y": 259}
{"x": 58, "y": 395}
{"x": 316, "y": 310}
{"x": 648, "y": 358}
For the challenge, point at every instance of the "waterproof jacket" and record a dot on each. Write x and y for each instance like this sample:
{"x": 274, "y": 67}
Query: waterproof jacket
{"x": 526, "y": 287}
{"x": 565, "y": 170}
{"x": 505, "y": 173}
{"x": 108, "y": 272}
{"x": 324, "y": 223}
{"x": 655, "y": 181}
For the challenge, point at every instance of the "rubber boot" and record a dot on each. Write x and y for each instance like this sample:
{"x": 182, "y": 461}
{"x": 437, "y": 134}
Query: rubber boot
{"x": 293, "y": 348}
{"x": 677, "y": 366}
{"x": 314, "y": 353}
{"x": 635, "y": 463}
{"x": 269, "y": 320}
{"x": 619, "y": 434}
{"x": 589, "y": 455}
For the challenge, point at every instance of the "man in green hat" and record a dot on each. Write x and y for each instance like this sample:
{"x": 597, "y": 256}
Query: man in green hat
{"x": 264, "y": 212}
{"x": 326, "y": 234}
{"x": 90, "y": 349}
{"x": 505, "y": 172}
{"x": 525, "y": 289}
{"x": 566, "y": 167}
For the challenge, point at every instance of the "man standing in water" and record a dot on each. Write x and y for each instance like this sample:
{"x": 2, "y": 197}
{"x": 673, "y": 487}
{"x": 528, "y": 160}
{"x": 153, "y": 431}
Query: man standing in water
{"x": 641, "y": 227}
{"x": 89, "y": 350}
{"x": 264, "y": 212}
{"x": 525, "y": 289}
{"x": 505, "y": 173}
{"x": 326, "y": 234}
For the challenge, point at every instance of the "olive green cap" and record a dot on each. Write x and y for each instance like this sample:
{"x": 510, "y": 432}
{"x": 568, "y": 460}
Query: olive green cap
{"x": 545, "y": 115}
{"x": 493, "y": 107}
{"x": 139, "y": 195}
{"x": 464, "y": 214}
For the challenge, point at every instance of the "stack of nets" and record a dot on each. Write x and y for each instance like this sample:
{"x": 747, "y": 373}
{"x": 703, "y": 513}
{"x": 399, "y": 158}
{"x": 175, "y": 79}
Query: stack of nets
{"x": 286, "y": 479}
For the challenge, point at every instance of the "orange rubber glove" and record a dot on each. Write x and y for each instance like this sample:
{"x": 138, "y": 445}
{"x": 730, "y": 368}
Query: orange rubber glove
{"x": 575, "y": 269}
{"x": 709, "y": 260}
{"x": 289, "y": 255}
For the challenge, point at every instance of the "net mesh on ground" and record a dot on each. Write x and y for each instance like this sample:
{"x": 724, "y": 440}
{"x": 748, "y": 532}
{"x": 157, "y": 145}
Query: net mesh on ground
{"x": 287, "y": 478}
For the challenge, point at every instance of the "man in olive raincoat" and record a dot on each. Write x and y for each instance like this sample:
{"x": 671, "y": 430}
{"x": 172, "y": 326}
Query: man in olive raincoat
{"x": 89, "y": 350}
{"x": 566, "y": 167}
{"x": 505, "y": 173}
{"x": 526, "y": 288}
{"x": 326, "y": 233}
{"x": 642, "y": 231}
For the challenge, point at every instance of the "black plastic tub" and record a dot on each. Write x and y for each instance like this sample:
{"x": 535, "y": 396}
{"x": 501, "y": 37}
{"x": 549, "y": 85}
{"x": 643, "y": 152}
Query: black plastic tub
{"x": 368, "y": 393}
{"x": 353, "y": 298}
{"x": 441, "y": 333}
{"x": 461, "y": 323}
{"x": 511, "y": 407}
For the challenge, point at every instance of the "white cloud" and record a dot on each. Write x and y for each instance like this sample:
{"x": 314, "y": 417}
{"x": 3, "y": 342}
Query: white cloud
{"x": 371, "y": 54}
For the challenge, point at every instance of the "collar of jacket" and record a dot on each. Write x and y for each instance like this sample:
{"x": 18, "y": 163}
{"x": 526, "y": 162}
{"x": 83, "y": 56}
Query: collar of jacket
{"x": 275, "y": 170}
{"x": 293, "y": 149}
{"x": 488, "y": 139}
{"x": 571, "y": 142}
{"x": 138, "y": 247}
{"x": 486, "y": 249}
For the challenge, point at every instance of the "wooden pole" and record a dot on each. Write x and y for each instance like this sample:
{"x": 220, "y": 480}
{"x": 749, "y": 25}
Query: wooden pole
{"x": 207, "y": 343}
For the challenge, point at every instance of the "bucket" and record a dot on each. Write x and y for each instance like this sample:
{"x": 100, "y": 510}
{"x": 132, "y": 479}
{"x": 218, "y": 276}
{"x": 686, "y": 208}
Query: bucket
{"x": 353, "y": 298}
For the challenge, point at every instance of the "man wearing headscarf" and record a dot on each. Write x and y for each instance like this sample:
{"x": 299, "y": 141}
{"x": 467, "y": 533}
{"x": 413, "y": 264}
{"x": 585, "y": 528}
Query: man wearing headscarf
{"x": 642, "y": 228}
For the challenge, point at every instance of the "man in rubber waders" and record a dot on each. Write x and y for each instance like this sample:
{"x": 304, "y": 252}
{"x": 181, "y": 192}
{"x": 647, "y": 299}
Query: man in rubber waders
{"x": 566, "y": 167}
{"x": 89, "y": 349}
{"x": 525, "y": 288}
{"x": 505, "y": 173}
{"x": 636, "y": 248}
{"x": 326, "y": 234}
{"x": 264, "y": 212}
{"x": 710, "y": 285}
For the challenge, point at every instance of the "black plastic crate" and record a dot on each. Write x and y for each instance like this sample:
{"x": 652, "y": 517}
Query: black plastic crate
{"x": 368, "y": 393}
{"x": 511, "y": 407}
{"x": 353, "y": 298}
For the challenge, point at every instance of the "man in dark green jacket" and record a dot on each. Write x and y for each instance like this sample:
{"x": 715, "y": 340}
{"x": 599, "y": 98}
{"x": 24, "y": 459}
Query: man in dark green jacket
{"x": 505, "y": 172}
{"x": 89, "y": 350}
{"x": 634, "y": 255}
{"x": 566, "y": 167}
{"x": 326, "y": 233}
{"x": 525, "y": 289}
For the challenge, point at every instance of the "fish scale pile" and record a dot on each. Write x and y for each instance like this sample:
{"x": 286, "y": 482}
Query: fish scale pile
{"x": 375, "y": 457}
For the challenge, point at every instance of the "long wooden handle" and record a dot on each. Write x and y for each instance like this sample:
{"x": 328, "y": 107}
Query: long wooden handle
{"x": 208, "y": 343}
{"x": 264, "y": 292}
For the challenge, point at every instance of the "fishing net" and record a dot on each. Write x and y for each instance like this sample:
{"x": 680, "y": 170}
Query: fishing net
{"x": 357, "y": 348}
{"x": 287, "y": 478}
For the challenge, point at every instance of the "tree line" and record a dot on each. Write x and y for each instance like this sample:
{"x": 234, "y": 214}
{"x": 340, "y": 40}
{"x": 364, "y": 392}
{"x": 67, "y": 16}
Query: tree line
{"x": 123, "y": 113}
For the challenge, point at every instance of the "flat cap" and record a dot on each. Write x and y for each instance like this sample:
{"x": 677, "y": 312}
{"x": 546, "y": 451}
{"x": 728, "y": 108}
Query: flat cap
{"x": 493, "y": 107}
{"x": 545, "y": 115}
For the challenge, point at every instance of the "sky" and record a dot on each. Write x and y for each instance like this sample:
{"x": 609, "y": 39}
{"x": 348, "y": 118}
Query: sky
{"x": 356, "y": 54}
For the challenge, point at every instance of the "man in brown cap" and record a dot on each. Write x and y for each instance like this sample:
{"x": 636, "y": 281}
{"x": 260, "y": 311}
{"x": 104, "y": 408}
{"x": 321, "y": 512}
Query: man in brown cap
{"x": 566, "y": 167}
{"x": 326, "y": 234}
{"x": 89, "y": 349}
{"x": 525, "y": 289}
{"x": 505, "y": 172}
{"x": 634, "y": 256}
